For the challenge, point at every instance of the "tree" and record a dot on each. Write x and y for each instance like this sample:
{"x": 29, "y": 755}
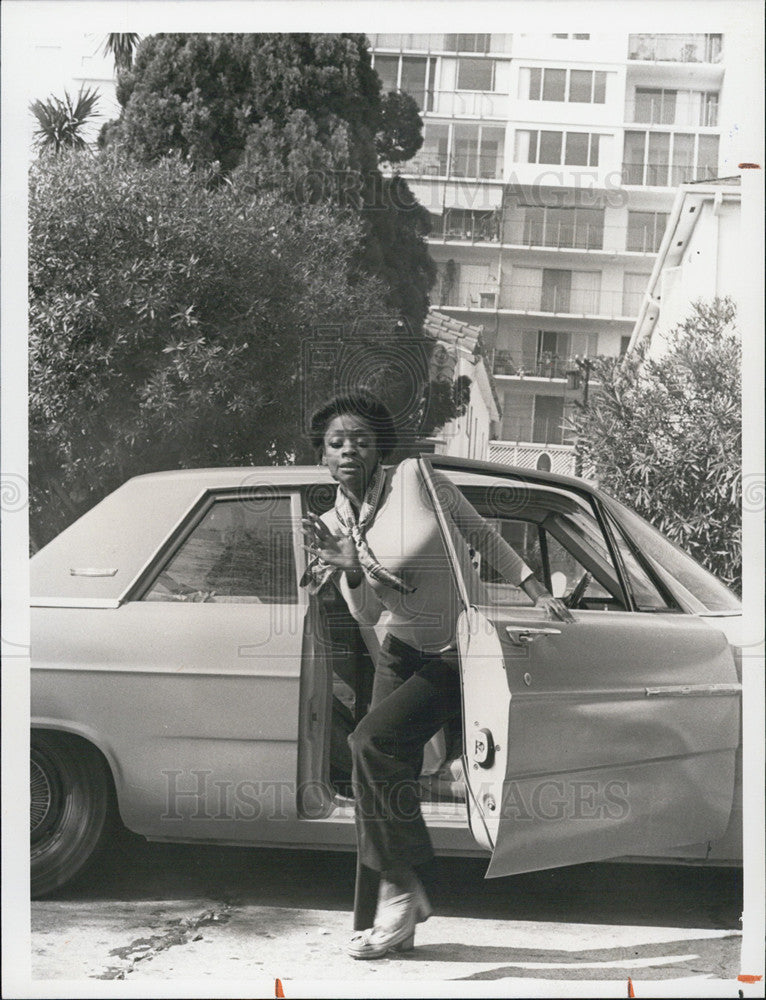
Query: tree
{"x": 172, "y": 323}
{"x": 664, "y": 436}
{"x": 401, "y": 131}
{"x": 298, "y": 113}
{"x": 121, "y": 47}
{"x": 61, "y": 124}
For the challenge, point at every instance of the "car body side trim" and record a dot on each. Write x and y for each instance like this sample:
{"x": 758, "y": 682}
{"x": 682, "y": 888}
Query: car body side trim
{"x": 680, "y": 690}
{"x": 74, "y": 602}
{"x": 629, "y": 693}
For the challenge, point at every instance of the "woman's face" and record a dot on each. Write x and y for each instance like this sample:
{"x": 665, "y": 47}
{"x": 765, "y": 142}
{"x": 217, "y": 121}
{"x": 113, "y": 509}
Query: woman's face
{"x": 350, "y": 452}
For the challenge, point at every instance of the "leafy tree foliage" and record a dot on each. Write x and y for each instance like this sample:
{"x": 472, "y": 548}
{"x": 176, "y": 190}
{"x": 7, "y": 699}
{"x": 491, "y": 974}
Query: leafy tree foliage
{"x": 297, "y": 113}
{"x": 121, "y": 47}
{"x": 61, "y": 124}
{"x": 664, "y": 436}
{"x": 172, "y": 323}
{"x": 401, "y": 133}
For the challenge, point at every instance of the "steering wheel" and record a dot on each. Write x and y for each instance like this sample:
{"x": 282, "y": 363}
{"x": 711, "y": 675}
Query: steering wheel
{"x": 573, "y": 599}
{"x": 183, "y": 591}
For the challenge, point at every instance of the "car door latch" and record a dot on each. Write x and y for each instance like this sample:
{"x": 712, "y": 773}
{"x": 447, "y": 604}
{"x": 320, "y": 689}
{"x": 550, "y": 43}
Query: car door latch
{"x": 522, "y": 635}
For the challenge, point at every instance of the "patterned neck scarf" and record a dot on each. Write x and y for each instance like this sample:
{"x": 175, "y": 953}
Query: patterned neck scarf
{"x": 355, "y": 526}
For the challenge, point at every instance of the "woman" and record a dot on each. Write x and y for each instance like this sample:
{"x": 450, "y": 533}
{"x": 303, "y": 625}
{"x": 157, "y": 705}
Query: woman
{"x": 382, "y": 546}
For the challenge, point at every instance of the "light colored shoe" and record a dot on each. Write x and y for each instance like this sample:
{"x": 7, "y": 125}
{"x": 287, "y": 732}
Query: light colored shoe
{"x": 397, "y": 915}
{"x": 378, "y": 941}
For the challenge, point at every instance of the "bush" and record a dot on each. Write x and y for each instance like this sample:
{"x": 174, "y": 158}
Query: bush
{"x": 664, "y": 436}
{"x": 167, "y": 318}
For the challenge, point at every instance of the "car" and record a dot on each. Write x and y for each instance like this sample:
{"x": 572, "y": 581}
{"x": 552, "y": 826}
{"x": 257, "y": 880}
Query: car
{"x": 186, "y": 686}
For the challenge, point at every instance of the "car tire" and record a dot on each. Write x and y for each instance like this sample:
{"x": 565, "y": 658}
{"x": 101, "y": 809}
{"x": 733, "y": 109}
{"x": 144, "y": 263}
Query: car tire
{"x": 70, "y": 809}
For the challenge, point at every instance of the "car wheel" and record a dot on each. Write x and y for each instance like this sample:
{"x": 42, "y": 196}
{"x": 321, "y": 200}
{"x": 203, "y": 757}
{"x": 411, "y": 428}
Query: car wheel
{"x": 69, "y": 809}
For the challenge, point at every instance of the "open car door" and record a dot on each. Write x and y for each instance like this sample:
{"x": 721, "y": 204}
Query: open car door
{"x": 608, "y": 736}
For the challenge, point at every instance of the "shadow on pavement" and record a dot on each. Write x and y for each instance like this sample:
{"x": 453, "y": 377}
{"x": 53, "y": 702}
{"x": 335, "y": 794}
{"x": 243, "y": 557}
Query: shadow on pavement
{"x": 665, "y": 895}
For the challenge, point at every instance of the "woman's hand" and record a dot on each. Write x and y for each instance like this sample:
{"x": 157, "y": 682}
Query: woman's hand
{"x": 337, "y": 550}
{"x": 555, "y": 609}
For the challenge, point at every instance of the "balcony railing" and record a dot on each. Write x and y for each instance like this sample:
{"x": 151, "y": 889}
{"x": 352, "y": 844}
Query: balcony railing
{"x": 689, "y": 109}
{"x": 664, "y": 174}
{"x": 479, "y": 229}
{"x": 533, "y": 299}
{"x": 557, "y": 234}
{"x": 541, "y": 430}
{"x": 488, "y": 227}
{"x": 470, "y": 44}
{"x": 484, "y": 104}
{"x": 543, "y": 366}
{"x": 684, "y": 48}
{"x": 474, "y": 166}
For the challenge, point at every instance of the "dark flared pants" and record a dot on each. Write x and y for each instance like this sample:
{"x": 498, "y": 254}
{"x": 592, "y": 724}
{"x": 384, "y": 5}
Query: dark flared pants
{"x": 413, "y": 695}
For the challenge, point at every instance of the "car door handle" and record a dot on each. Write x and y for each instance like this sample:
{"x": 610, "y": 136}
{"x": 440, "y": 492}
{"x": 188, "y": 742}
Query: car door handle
{"x": 521, "y": 635}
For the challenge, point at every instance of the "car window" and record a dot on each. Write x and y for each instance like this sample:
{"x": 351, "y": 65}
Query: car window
{"x": 565, "y": 571}
{"x": 241, "y": 551}
{"x": 645, "y": 593}
{"x": 554, "y": 531}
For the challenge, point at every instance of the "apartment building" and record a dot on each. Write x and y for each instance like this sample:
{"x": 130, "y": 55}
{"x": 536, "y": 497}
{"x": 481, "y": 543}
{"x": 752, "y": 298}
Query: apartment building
{"x": 549, "y": 166}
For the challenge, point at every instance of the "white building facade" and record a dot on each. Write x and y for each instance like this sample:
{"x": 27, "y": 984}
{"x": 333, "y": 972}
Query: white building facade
{"x": 709, "y": 250}
{"x": 549, "y": 166}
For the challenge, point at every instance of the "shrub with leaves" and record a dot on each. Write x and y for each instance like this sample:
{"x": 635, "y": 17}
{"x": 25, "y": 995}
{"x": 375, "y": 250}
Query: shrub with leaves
{"x": 663, "y": 434}
{"x": 62, "y": 124}
{"x": 167, "y": 323}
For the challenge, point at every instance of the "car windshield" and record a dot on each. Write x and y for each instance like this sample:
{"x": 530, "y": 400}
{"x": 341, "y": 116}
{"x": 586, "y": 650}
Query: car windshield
{"x": 674, "y": 562}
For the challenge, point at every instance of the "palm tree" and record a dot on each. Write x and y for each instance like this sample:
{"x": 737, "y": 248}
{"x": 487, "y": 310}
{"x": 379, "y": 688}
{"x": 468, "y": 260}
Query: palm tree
{"x": 122, "y": 47}
{"x": 61, "y": 123}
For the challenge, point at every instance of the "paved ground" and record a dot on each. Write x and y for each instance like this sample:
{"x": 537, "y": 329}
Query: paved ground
{"x": 161, "y": 913}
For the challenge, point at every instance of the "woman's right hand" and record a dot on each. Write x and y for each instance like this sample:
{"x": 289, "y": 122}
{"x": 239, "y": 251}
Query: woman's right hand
{"x": 337, "y": 550}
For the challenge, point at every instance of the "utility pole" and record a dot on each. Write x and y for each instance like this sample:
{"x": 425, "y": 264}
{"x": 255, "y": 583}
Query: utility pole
{"x": 577, "y": 377}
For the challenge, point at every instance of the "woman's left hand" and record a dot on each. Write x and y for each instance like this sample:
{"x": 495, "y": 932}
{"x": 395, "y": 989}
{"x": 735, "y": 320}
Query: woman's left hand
{"x": 555, "y": 609}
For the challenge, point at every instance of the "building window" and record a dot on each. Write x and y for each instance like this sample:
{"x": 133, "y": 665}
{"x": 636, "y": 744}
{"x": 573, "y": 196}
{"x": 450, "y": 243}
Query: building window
{"x": 634, "y": 286}
{"x": 587, "y": 86}
{"x": 577, "y": 86}
{"x": 662, "y": 158}
{"x": 659, "y": 106}
{"x": 709, "y": 109}
{"x": 554, "y": 84}
{"x": 412, "y": 74}
{"x": 548, "y": 421}
{"x": 581, "y": 149}
{"x": 656, "y": 106}
{"x": 432, "y": 158}
{"x": 580, "y": 37}
{"x": 467, "y": 43}
{"x": 550, "y": 147}
{"x": 478, "y": 151}
{"x": 476, "y": 74}
{"x": 556, "y": 290}
{"x": 387, "y": 68}
{"x": 578, "y": 148}
{"x": 645, "y": 231}
{"x": 707, "y": 156}
{"x": 581, "y": 228}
